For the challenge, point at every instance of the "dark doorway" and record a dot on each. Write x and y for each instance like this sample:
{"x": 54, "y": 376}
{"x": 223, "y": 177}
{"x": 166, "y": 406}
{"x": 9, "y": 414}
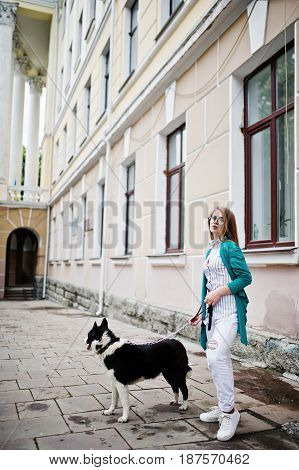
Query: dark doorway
{"x": 21, "y": 258}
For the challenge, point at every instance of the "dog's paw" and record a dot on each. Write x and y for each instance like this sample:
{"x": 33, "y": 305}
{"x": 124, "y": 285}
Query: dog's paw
{"x": 108, "y": 412}
{"x": 183, "y": 407}
{"x": 122, "y": 419}
{"x": 173, "y": 402}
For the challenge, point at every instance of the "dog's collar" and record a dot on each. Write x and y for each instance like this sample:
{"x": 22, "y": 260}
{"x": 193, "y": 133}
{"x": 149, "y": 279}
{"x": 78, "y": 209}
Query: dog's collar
{"x": 102, "y": 350}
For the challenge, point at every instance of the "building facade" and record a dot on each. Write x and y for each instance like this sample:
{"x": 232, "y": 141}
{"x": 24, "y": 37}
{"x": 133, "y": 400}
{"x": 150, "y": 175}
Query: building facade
{"x": 157, "y": 112}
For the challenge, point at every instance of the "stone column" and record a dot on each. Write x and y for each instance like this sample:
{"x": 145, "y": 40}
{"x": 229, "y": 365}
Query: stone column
{"x": 22, "y": 66}
{"x": 7, "y": 24}
{"x": 31, "y": 167}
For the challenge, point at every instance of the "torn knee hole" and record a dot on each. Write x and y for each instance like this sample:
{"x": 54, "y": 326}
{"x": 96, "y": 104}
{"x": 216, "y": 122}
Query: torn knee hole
{"x": 212, "y": 344}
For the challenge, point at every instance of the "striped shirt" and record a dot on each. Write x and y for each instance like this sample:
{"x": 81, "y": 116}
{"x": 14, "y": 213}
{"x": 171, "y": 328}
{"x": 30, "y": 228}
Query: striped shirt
{"x": 218, "y": 276}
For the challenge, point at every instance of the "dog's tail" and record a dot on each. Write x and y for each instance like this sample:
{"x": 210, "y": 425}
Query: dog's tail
{"x": 189, "y": 373}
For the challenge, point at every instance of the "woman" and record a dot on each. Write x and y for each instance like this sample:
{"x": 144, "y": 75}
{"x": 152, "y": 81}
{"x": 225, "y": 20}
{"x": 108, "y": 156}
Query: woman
{"x": 224, "y": 305}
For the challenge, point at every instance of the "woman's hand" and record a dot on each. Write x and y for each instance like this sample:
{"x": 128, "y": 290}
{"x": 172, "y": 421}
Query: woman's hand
{"x": 215, "y": 295}
{"x": 195, "y": 320}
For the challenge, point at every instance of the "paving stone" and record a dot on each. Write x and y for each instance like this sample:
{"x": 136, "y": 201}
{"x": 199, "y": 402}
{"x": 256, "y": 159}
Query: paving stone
{"x": 104, "y": 381}
{"x": 243, "y": 401}
{"x": 8, "y": 412}
{"x": 22, "y": 444}
{"x": 4, "y": 354}
{"x": 8, "y": 385}
{"x": 247, "y": 424}
{"x": 66, "y": 381}
{"x": 48, "y": 393}
{"x": 36, "y": 409}
{"x": 94, "y": 420}
{"x": 42, "y": 374}
{"x": 15, "y": 396}
{"x": 105, "y": 400}
{"x": 154, "y": 383}
{"x": 13, "y": 375}
{"x": 165, "y": 412}
{"x": 91, "y": 389}
{"x": 274, "y": 440}
{"x": 159, "y": 434}
{"x": 90, "y": 440}
{"x": 34, "y": 383}
{"x": 9, "y": 364}
{"x": 152, "y": 397}
{"x": 78, "y": 404}
{"x": 194, "y": 393}
{"x": 280, "y": 414}
{"x": 32, "y": 428}
{"x": 71, "y": 372}
{"x": 19, "y": 354}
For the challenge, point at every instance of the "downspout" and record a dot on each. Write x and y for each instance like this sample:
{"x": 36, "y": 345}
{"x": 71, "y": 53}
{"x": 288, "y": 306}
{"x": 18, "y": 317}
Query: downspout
{"x": 107, "y": 174}
{"x": 47, "y": 253}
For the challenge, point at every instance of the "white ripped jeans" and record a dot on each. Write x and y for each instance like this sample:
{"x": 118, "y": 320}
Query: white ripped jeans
{"x": 219, "y": 341}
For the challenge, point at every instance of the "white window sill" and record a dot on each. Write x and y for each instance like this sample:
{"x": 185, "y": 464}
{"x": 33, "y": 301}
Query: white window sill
{"x": 67, "y": 262}
{"x": 79, "y": 262}
{"x": 125, "y": 260}
{"x": 272, "y": 256}
{"x": 168, "y": 259}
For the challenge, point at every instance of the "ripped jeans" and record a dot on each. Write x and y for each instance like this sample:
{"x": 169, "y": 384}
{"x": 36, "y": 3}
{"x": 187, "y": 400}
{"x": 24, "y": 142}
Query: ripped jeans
{"x": 220, "y": 339}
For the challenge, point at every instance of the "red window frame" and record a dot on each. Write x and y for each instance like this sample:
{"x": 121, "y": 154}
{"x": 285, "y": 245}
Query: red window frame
{"x": 249, "y": 131}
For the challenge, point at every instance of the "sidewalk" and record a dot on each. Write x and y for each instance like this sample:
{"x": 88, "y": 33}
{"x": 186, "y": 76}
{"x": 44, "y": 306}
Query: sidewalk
{"x": 52, "y": 391}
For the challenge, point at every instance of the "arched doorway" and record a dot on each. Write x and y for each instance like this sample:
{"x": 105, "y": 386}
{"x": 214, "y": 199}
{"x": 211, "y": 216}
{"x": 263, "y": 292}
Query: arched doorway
{"x": 21, "y": 259}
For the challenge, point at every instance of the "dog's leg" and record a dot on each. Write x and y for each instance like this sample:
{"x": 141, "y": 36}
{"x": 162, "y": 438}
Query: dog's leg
{"x": 114, "y": 400}
{"x": 123, "y": 391}
{"x": 184, "y": 390}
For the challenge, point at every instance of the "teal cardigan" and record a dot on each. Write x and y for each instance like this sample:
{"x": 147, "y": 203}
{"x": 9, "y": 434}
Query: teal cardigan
{"x": 234, "y": 261}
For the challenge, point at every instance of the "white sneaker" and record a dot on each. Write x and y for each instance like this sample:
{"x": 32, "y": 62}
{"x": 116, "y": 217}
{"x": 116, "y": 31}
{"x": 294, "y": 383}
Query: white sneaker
{"x": 228, "y": 425}
{"x": 211, "y": 416}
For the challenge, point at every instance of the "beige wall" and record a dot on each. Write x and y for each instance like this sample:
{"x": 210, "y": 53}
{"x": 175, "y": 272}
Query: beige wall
{"x": 203, "y": 102}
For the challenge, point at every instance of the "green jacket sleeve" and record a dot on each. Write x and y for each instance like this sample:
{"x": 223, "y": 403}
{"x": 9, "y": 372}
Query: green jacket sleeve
{"x": 240, "y": 269}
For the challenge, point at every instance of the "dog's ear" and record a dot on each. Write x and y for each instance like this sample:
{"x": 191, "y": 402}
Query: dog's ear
{"x": 95, "y": 325}
{"x": 104, "y": 323}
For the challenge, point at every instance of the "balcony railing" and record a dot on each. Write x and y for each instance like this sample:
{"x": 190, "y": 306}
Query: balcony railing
{"x": 25, "y": 194}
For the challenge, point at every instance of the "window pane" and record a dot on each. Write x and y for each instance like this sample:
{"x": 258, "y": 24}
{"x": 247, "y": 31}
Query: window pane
{"x": 174, "y": 149}
{"x": 133, "y": 52}
{"x": 259, "y": 96}
{"x": 260, "y": 186}
{"x": 285, "y": 66}
{"x": 130, "y": 219}
{"x": 134, "y": 13}
{"x": 131, "y": 177}
{"x": 174, "y": 211}
{"x": 183, "y": 208}
{"x": 285, "y": 177}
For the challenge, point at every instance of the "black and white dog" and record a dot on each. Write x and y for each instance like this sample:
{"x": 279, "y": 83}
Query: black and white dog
{"x": 128, "y": 363}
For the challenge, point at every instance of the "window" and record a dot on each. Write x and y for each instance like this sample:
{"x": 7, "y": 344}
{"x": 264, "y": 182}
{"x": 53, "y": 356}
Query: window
{"x": 81, "y": 228}
{"x": 74, "y": 136}
{"x": 129, "y": 208}
{"x": 105, "y": 78}
{"x": 53, "y": 237}
{"x": 63, "y": 18}
{"x": 79, "y": 35}
{"x": 99, "y": 219}
{"x": 55, "y": 168}
{"x": 60, "y": 91}
{"x": 60, "y": 236}
{"x": 68, "y": 232}
{"x": 133, "y": 37}
{"x": 169, "y": 8}
{"x": 87, "y": 90}
{"x": 91, "y": 5}
{"x": 69, "y": 65}
{"x": 269, "y": 138}
{"x": 64, "y": 149}
{"x": 175, "y": 190}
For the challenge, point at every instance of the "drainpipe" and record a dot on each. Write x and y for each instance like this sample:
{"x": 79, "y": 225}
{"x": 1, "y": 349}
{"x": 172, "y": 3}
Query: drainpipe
{"x": 107, "y": 174}
{"x": 47, "y": 253}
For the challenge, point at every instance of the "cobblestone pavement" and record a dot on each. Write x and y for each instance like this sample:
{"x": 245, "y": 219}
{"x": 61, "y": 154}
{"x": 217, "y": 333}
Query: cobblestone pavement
{"x": 53, "y": 391}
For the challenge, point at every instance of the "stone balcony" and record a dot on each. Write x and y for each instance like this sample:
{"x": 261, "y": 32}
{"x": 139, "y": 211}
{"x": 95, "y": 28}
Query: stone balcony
{"x": 26, "y": 195}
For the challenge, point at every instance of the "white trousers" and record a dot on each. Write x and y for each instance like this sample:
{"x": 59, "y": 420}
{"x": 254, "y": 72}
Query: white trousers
{"x": 219, "y": 341}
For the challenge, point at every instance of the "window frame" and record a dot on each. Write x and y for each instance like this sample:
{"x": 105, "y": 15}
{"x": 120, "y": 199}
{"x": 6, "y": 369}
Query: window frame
{"x": 133, "y": 32}
{"x": 128, "y": 195}
{"x": 250, "y": 130}
{"x": 169, "y": 173}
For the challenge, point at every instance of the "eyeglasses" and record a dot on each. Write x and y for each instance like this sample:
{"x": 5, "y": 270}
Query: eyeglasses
{"x": 214, "y": 218}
